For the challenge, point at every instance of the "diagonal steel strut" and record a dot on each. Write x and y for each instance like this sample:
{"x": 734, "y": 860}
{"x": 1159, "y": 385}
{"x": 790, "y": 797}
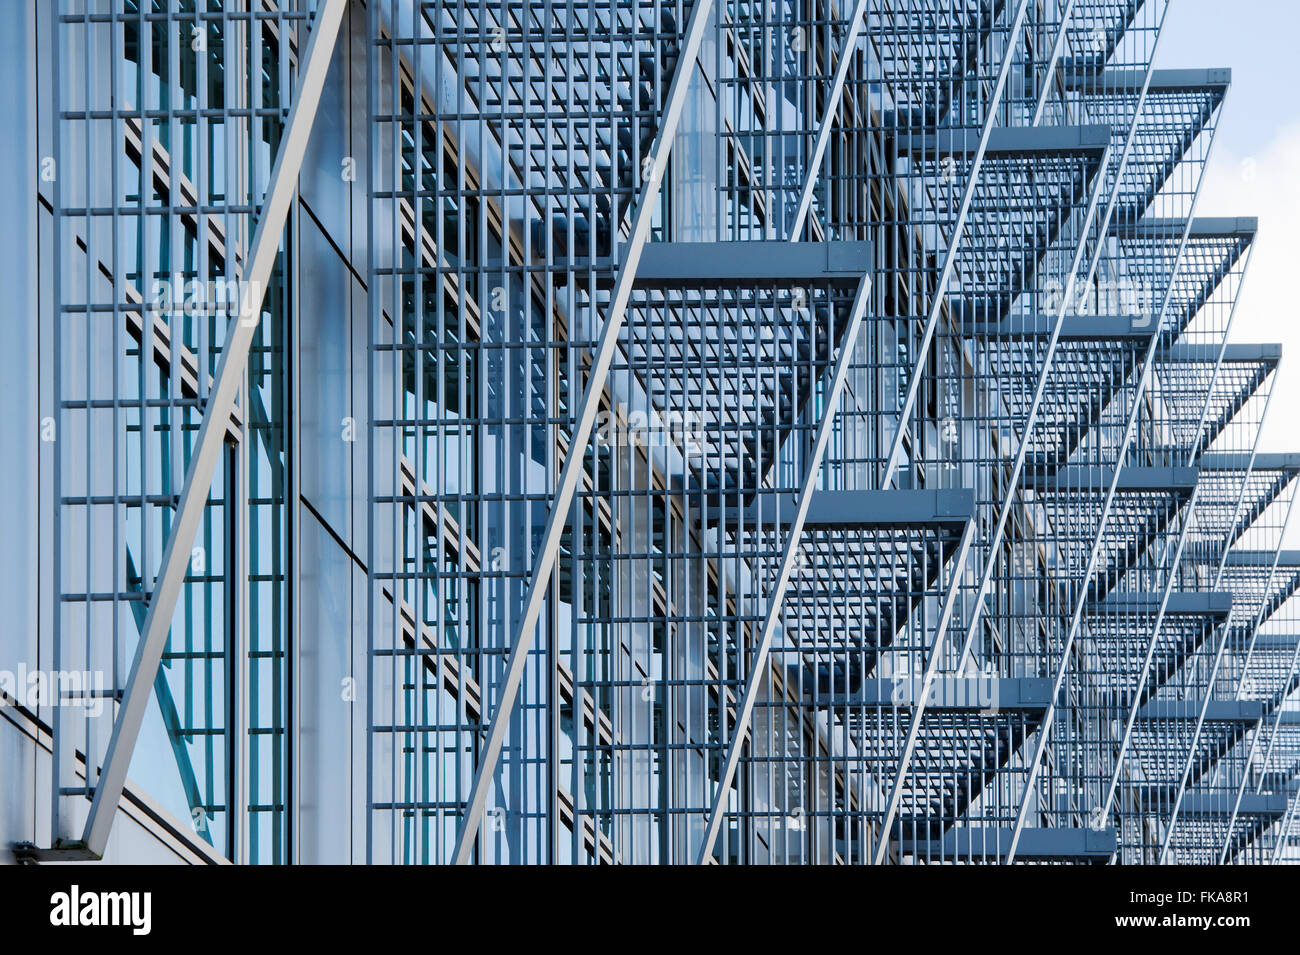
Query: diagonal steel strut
{"x": 986, "y": 578}
{"x": 959, "y": 564}
{"x": 954, "y": 242}
{"x": 1283, "y": 828}
{"x": 1239, "y": 690}
{"x": 1192, "y": 454}
{"x": 1295, "y": 662}
{"x": 1095, "y": 548}
{"x": 1268, "y": 753}
{"x": 891, "y": 466}
{"x": 1276, "y": 722}
{"x": 1094, "y": 556}
{"x": 856, "y": 21}
{"x": 607, "y": 344}
{"x": 763, "y": 649}
{"x": 207, "y": 447}
{"x": 1167, "y": 842}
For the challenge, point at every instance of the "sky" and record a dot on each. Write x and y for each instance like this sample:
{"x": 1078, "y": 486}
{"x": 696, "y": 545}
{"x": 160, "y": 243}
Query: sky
{"x": 1254, "y": 170}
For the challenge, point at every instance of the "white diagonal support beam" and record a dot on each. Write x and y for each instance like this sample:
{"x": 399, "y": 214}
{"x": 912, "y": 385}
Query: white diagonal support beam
{"x": 606, "y": 346}
{"x": 1031, "y": 417}
{"x": 762, "y": 651}
{"x": 959, "y": 566}
{"x": 1128, "y": 145}
{"x": 1094, "y": 556}
{"x": 1049, "y": 74}
{"x": 1240, "y": 694}
{"x": 1206, "y": 697}
{"x": 1045, "y": 729}
{"x": 954, "y": 242}
{"x": 1095, "y": 549}
{"x": 1135, "y": 705}
{"x": 932, "y": 666}
{"x": 1004, "y": 512}
{"x": 1274, "y": 731}
{"x": 208, "y": 445}
{"x": 1172, "y": 570}
{"x": 1130, "y": 137}
{"x": 856, "y": 22}
{"x": 1284, "y": 828}
{"x": 1274, "y": 722}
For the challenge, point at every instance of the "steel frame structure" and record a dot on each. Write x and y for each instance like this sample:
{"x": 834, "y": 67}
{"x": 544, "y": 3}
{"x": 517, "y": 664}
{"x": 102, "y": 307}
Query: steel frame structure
{"x": 790, "y": 431}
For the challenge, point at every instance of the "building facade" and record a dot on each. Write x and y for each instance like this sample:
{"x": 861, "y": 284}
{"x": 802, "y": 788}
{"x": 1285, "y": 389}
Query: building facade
{"x": 653, "y": 431}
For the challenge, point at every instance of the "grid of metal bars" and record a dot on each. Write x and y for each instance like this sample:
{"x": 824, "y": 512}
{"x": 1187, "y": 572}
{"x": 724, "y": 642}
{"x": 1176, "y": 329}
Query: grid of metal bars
{"x": 921, "y": 520}
{"x": 1042, "y": 314}
{"x": 166, "y": 122}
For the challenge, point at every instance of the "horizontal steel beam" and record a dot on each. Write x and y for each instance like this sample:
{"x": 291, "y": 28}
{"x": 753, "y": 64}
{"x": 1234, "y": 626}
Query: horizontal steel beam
{"x": 1263, "y": 558}
{"x": 982, "y": 842}
{"x": 1009, "y": 141}
{"x": 1205, "y": 806}
{"x": 1073, "y": 327}
{"x": 1217, "y": 711}
{"x": 1180, "y": 604}
{"x": 856, "y": 509}
{"x": 725, "y": 264}
{"x": 1262, "y": 461}
{"x": 1202, "y": 227}
{"x": 1075, "y": 476}
{"x": 948, "y": 694}
{"x": 1082, "y": 79}
{"x": 1237, "y": 354}
{"x": 1284, "y": 642}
